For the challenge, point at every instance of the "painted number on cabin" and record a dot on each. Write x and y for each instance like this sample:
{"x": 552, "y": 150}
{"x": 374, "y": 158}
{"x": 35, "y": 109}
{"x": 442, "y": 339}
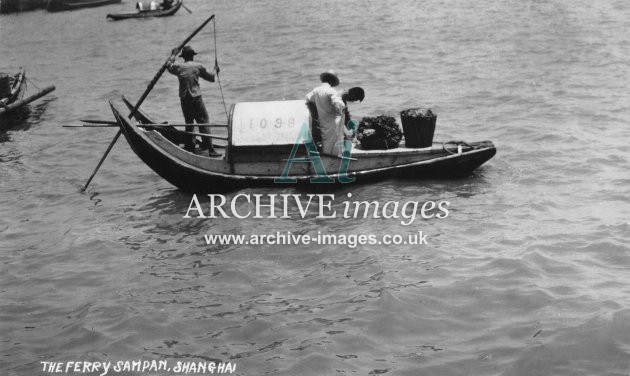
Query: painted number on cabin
{"x": 277, "y": 123}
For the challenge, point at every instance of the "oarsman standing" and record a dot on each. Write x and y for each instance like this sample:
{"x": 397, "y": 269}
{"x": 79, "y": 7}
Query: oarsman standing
{"x": 193, "y": 107}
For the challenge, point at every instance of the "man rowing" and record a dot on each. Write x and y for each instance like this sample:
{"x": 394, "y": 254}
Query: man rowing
{"x": 191, "y": 101}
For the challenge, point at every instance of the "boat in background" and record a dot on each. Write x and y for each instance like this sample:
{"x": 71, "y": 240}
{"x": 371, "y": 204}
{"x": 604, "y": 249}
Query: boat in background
{"x": 148, "y": 13}
{"x": 59, "y": 5}
{"x": 261, "y": 137}
{"x": 9, "y": 6}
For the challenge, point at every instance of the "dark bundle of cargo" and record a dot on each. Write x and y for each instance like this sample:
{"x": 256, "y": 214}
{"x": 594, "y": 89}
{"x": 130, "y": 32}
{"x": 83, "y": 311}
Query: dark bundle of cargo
{"x": 418, "y": 126}
{"x": 381, "y": 132}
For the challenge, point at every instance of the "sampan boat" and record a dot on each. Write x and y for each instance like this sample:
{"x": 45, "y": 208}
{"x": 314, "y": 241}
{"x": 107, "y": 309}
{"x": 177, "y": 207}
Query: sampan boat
{"x": 148, "y": 13}
{"x": 261, "y": 137}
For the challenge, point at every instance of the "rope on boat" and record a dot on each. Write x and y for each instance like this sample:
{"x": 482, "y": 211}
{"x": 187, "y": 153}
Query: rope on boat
{"x": 456, "y": 143}
{"x": 216, "y": 64}
{"x": 28, "y": 80}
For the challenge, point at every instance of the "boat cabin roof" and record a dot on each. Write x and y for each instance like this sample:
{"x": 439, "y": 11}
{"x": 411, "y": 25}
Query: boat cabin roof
{"x": 272, "y": 123}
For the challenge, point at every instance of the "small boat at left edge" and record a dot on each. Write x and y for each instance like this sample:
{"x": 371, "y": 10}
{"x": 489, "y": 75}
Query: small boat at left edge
{"x": 11, "y": 87}
{"x": 12, "y": 90}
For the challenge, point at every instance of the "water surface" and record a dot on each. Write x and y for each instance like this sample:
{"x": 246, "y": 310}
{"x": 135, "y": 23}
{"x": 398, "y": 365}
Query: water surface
{"x": 527, "y": 276}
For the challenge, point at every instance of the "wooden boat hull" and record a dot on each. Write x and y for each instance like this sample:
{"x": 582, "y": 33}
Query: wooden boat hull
{"x": 194, "y": 173}
{"x": 147, "y": 14}
{"x": 170, "y": 133}
{"x": 60, "y": 5}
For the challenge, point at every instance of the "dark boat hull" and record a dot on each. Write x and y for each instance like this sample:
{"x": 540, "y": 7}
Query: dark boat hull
{"x": 60, "y": 5}
{"x": 147, "y": 14}
{"x": 17, "y": 88}
{"x": 198, "y": 174}
{"x": 170, "y": 133}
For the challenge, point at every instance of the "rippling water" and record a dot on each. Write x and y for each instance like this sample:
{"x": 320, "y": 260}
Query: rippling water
{"x": 529, "y": 274}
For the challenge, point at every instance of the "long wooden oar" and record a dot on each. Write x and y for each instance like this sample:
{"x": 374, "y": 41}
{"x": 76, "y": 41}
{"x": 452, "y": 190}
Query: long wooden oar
{"x": 153, "y": 125}
{"x": 96, "y": 121}
{"x": 224, "y": 138}
{"x": 144, "y": 95}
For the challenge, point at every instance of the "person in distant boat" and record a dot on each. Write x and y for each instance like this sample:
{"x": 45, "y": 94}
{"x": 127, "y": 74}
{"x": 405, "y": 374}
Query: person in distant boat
{"x": 328, "y": 124}
{"x": 145, "y": 6}
{"x": 191, "y": 101}
{"x": 352, "y": 95}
